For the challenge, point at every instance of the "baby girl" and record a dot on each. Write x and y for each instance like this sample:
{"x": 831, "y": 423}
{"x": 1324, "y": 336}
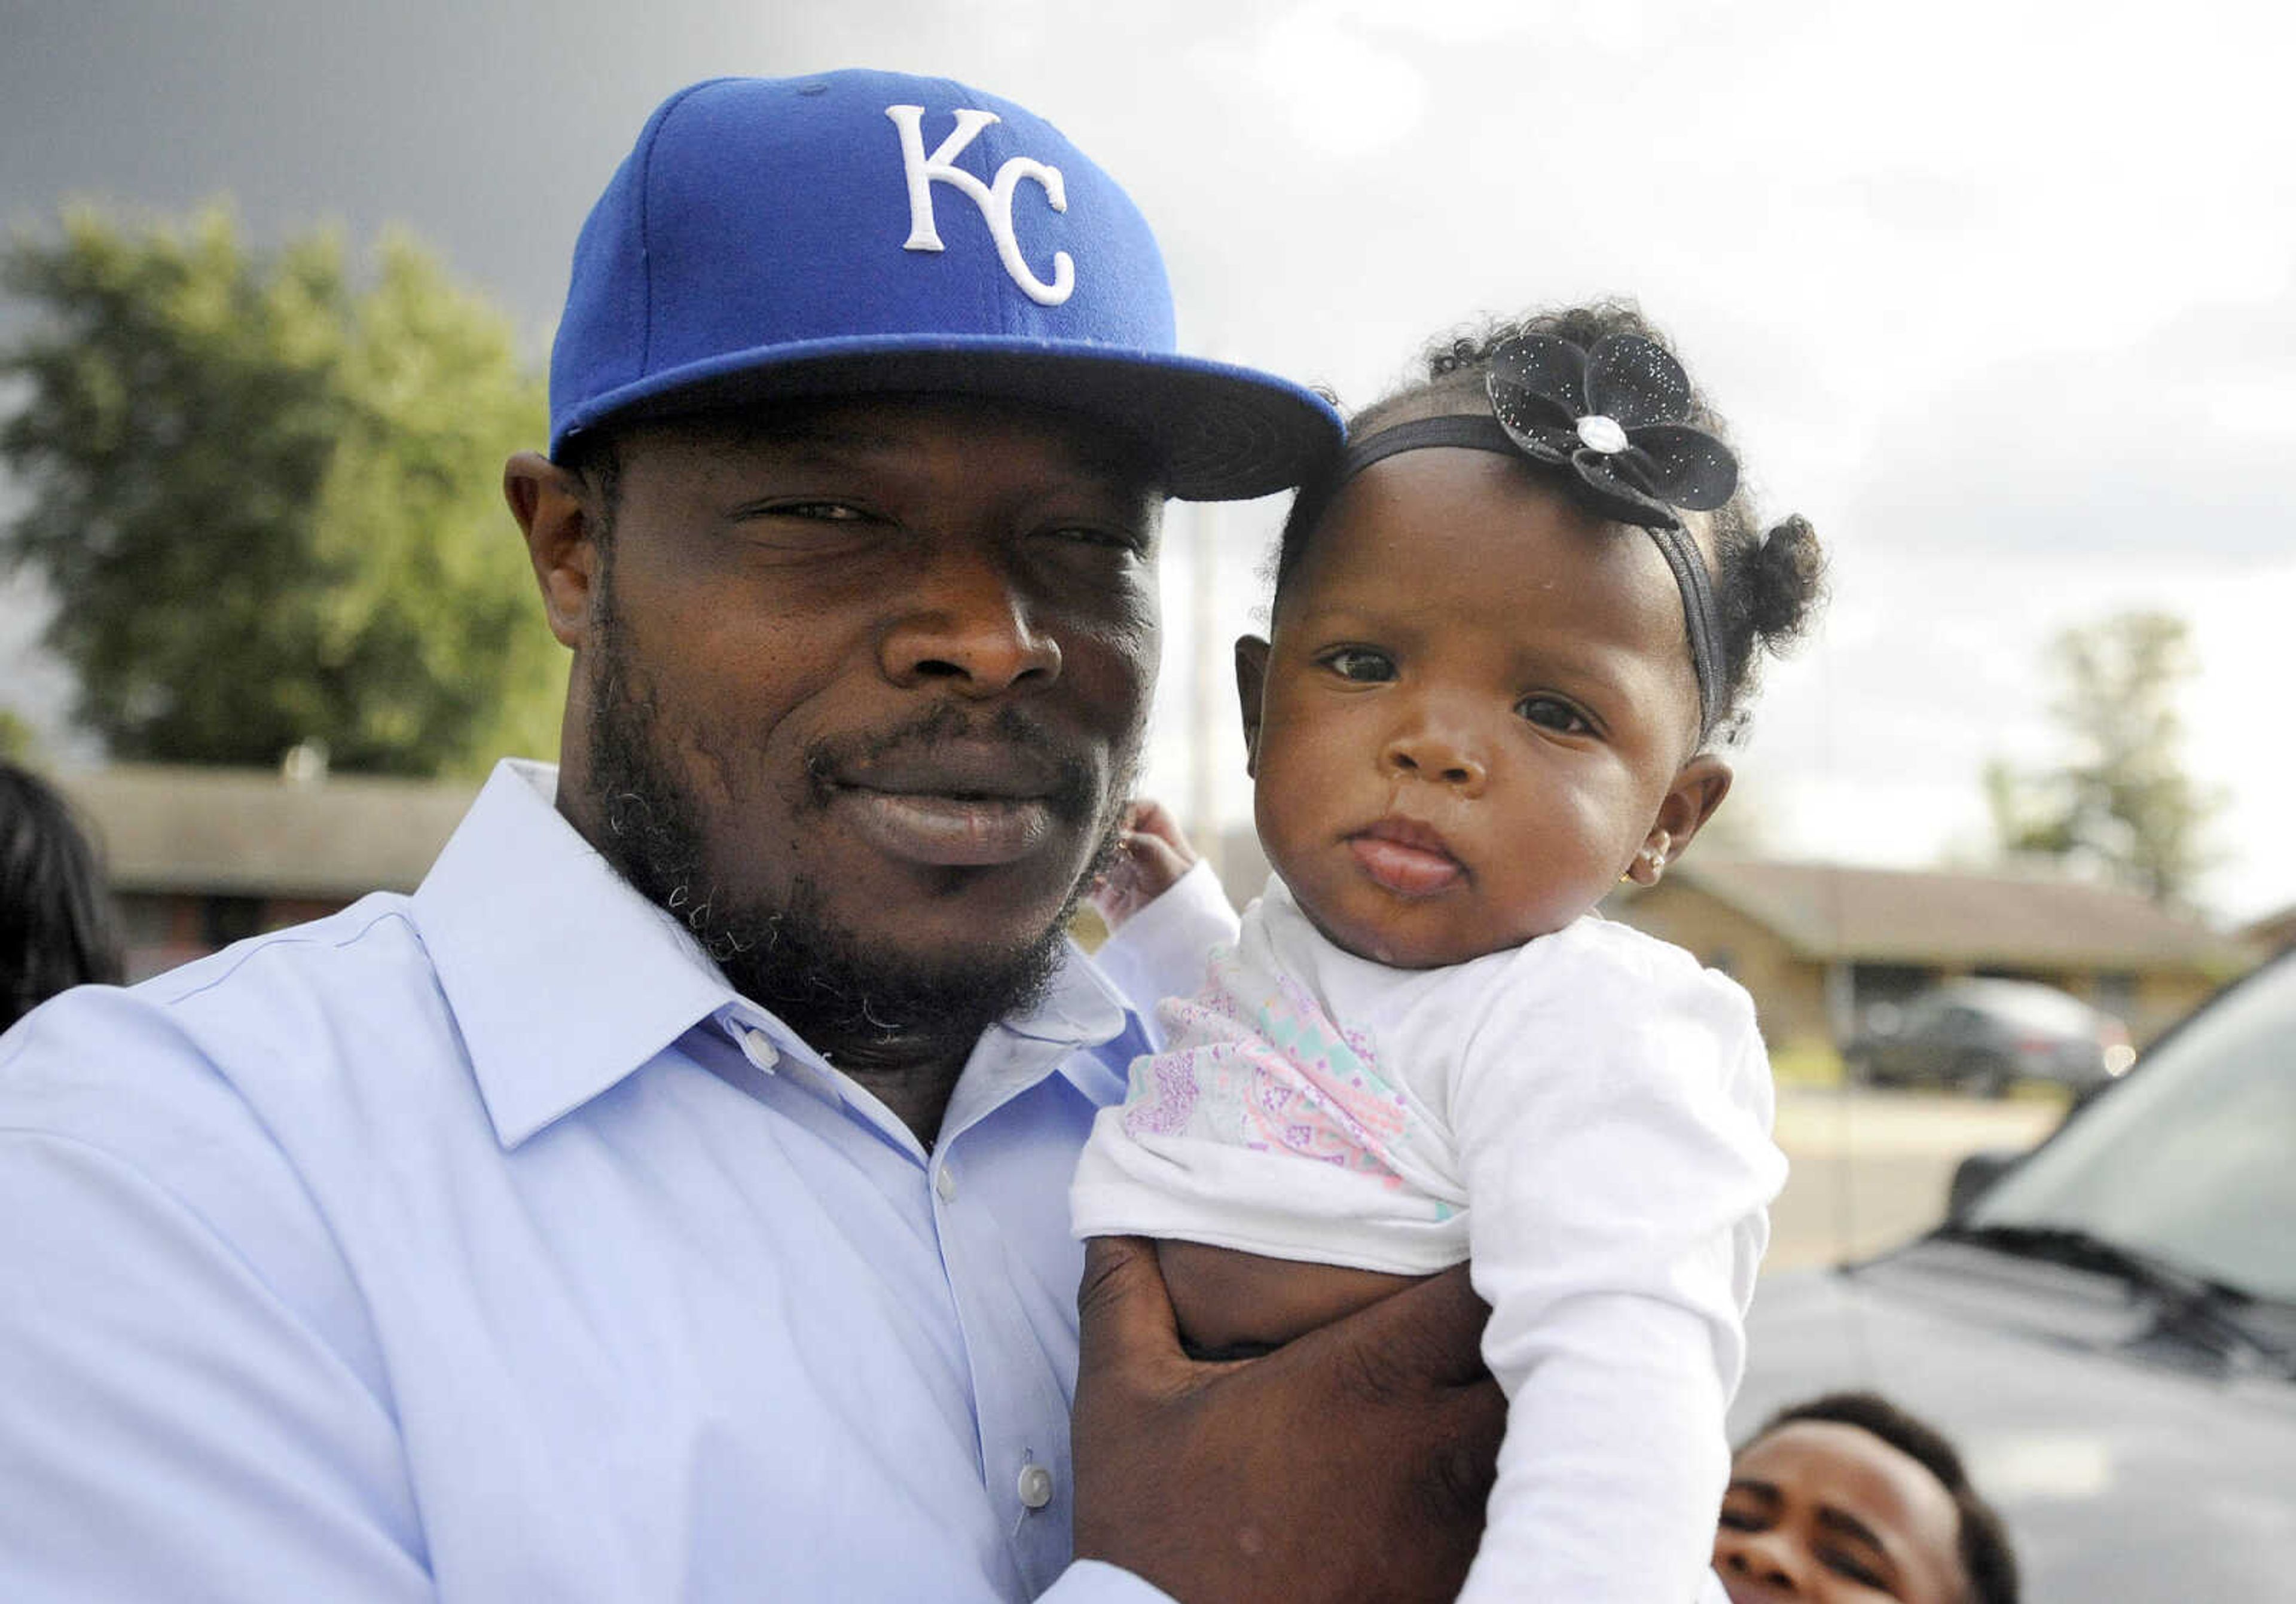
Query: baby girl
{"x": 1507, "y": 634}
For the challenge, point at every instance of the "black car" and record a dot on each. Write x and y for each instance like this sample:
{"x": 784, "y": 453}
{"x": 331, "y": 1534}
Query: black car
{"x": 1985, "y": 1036}
{"x": 2107, "y": 1325}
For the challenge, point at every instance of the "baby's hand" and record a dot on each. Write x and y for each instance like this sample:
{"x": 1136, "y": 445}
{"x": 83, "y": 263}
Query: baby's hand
{"x": 1150, "y": 857}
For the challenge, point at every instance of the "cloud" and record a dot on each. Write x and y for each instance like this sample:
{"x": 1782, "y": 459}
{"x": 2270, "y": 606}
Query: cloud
{"x": 1339, "y": 94}
{"x": 2177, "y": 441}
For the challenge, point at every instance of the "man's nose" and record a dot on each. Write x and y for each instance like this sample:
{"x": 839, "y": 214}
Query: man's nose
{"x": 963, "y": 621}
{"x": 1440, "y": 747}
{"x": 1768, "y": 1558}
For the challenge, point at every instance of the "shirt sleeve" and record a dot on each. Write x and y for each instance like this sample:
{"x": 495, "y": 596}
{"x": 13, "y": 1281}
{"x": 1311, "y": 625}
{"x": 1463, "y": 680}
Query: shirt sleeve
{"x": 1614, "y": 1114}
{"x": 1160, "y": 951}
{"x": 171, "y": 1424}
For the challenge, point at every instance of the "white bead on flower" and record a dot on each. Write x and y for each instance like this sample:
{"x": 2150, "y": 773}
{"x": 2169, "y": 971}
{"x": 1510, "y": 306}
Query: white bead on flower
{"x": 1602, "y": 434}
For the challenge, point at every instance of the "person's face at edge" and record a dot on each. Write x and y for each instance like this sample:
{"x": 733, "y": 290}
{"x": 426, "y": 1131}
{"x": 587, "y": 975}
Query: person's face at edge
{"x": 858, "y": 689}
{"x": 1476, "y": 709}
{"x": 1819, "y": 1510}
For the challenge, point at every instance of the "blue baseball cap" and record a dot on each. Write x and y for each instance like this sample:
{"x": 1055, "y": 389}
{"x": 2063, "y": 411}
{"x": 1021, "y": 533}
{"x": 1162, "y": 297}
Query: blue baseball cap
{"x": 861, "y": 232}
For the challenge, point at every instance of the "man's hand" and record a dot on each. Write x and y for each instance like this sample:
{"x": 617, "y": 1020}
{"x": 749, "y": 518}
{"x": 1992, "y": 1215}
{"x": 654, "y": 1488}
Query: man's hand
{"x": 1351, "y": 1464}
{"x": 1150, "y": 857}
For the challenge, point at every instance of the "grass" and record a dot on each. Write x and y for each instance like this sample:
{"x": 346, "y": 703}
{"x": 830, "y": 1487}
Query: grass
{"x": 1806, "y": 1063}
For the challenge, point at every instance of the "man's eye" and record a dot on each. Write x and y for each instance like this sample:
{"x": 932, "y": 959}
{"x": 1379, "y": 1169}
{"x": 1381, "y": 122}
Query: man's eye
{"x": 1360, "y": 664}
{"x": 1845, "y": 1564}
{"x": 1552, "y": 712}
{"x": 1738, "y": 1520}
{"x": 823, "y": 512}
{"x": 1109, "y": 537}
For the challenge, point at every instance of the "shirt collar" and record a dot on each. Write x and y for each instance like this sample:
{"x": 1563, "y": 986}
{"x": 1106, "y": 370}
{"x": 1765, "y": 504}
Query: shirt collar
{"x": 564, "y": 979}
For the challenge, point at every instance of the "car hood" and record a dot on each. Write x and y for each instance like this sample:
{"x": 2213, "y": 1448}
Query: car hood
{"x": 2130, "y": 1464}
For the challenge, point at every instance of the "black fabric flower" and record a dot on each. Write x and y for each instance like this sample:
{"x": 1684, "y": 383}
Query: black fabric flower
{"x": 1612, "y": 416}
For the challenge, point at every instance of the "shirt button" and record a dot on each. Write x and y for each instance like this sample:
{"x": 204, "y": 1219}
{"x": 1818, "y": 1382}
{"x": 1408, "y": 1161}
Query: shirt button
{"x": 1036, "y": 1487}
{"x": 945, "y": 1184}
{"x": 758, "y": 1048}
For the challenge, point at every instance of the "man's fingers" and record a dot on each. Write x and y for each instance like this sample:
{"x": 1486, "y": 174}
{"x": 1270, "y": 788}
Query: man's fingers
{"x": 1124, "y": 1314}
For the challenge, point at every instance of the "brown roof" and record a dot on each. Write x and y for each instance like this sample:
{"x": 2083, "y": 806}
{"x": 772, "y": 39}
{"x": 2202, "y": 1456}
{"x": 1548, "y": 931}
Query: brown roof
{"x": 1929, "y": 916}
{"x": 251, "y": 832}
{"x": 2276, "y": 932}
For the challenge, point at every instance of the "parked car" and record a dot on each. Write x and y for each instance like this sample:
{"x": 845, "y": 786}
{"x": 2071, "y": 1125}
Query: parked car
{"x": 1986, "y": 1036}
{"x": 2107, "y": 1324}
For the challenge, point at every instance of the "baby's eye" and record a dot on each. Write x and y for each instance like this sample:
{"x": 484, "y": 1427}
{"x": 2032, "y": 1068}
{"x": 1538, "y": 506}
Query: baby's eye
{"x": 1361, "y": 664}
{"x": 1552, "y": 712}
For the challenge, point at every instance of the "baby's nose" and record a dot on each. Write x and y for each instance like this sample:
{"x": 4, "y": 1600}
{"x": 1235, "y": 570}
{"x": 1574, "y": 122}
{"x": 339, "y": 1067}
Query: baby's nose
{"x": 1438, "y": 755}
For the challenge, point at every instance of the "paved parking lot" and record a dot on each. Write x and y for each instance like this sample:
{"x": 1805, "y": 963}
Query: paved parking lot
{"x": 1870, "y": 1168}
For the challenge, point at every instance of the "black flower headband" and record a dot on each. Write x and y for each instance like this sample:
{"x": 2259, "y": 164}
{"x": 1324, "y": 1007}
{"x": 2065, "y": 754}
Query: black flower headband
{"x": 1611, "y": 417}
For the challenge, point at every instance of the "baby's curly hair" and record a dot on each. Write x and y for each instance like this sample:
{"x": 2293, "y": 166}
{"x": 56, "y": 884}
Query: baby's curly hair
{"x": 1768, "y": 585}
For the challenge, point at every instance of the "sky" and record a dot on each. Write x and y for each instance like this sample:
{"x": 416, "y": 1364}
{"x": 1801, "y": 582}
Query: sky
{"x": 2001, "y": 296}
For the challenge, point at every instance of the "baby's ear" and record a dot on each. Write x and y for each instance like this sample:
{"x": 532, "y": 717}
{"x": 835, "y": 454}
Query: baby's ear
{"x": 1251, "y": 680}
{"x": 1698, "y": 790}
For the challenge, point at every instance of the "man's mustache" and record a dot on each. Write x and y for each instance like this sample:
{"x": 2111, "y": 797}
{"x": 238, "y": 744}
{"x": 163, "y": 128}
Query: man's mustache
{"x": 1048, "y": 765}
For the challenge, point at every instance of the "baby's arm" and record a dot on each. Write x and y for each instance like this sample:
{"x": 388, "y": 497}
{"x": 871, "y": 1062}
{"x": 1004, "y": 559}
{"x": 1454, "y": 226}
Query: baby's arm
{"x": 1165, "y": 910}
{"x": 1613, "y": 1116}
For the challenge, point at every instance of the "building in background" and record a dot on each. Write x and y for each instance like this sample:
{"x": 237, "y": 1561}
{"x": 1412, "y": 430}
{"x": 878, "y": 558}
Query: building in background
{"x": 2274, "y": 933}
{"x": 1817, "y": 945}
{"x": 199, "y": 857}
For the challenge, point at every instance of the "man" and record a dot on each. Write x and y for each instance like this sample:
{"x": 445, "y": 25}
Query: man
{"x": 1849, "y": 1497}
{"x": 667, "y": 1200}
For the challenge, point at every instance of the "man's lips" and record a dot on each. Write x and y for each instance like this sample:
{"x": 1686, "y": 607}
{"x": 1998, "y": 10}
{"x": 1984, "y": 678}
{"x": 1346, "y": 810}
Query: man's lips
{"x": 953, "y": 804}
{"x": 1407, "y": 857}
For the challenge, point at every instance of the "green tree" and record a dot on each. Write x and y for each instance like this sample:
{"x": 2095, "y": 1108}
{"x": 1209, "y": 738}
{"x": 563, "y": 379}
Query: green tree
{"x": 264, "y": 494}
{"x": 2122, "y": 803}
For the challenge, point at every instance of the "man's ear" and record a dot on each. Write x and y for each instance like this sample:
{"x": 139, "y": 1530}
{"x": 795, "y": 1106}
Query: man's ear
{"x": 1698, "y": 788}
{"x": 1251, "y": 680}
{"x": 552, "y": 508}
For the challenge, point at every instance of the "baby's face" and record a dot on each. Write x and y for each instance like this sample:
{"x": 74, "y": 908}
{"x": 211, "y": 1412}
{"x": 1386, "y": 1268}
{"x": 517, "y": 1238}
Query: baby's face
{"x": 1476, "y": 709}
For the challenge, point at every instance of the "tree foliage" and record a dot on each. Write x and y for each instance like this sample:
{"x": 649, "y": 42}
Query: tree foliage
{"x": 264, "y": 494}
{"x": 2122, "y": 803}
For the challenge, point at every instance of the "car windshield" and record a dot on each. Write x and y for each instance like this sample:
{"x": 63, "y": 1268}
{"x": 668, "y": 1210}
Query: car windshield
{"x": 2190, "y": 1159}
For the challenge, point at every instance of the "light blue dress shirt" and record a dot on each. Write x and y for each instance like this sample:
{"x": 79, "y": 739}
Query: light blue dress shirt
{"x": 483, "y": 1245}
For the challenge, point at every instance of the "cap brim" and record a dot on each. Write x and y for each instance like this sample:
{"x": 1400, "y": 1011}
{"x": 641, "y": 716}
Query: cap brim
{"x": 1220, "y": 432}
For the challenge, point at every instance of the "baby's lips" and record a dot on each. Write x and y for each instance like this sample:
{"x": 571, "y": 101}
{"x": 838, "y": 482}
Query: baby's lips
{"x": 1404, "y": 867}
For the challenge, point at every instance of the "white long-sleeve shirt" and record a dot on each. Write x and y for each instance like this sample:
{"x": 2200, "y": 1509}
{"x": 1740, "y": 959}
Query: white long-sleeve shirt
{"x": 1586, "y": 1117}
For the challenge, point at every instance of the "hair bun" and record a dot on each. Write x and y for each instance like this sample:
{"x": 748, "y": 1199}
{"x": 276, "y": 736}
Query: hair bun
{"x": 1789, "y": 577}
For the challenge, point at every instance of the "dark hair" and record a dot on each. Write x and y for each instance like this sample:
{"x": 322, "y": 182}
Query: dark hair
{"x": 55, "y": 915}
{"x": 1767, "y": 585}
{"x": 1986, "y": 1559}
{"x": 594, "y": 456}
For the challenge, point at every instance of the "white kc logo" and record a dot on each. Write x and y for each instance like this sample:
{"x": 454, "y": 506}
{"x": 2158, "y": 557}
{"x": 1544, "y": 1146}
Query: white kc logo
{"x": 994, "y": 200}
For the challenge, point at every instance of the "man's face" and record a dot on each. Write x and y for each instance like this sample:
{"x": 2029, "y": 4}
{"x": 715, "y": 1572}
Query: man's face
{"x": 860, "y": 695}
{"x": 1819, "y": 1511}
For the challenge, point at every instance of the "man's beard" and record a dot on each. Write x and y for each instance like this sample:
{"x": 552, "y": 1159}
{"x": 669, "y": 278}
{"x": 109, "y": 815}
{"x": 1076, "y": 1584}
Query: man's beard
{"x": 819, "y": 976}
